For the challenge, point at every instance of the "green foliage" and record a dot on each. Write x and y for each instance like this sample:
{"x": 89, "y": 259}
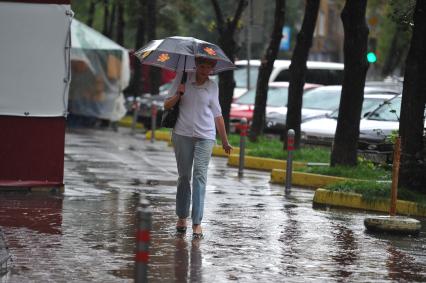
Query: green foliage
{"x": 376, "y": 190}
{"x": 273, "y": 148}
{"x": 393, "y": 18}
{"x": 402, "y": 12}
{"x": 363, "y": 171}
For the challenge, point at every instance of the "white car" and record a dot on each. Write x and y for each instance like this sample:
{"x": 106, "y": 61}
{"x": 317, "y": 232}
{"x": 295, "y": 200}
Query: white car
{"x": 322, "y": 73}
{"x": 379, "y": 117}
{"x": 317, "y": 103}
{"x": 243, "y": 106}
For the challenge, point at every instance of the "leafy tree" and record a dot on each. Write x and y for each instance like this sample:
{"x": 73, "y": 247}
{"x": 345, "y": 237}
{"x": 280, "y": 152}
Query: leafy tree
{"x": 344, "y": 151}
{"x": 395, "y": 33}
{"x": 105, "y": 29}
{"x": 120, "y": 27}
{"x": 411, "y": 127}
{"x": 91, "y": 15}
{"x": 298, "y": 69}
{"x": 265, "y": 70}
{"x": 135, "y": 86}
{"x": 227, "y": 27}
{"x": 151, "y": 26}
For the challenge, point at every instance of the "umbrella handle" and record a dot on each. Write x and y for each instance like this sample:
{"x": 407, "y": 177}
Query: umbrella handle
{"x": 184, "y": 76}
{"x": 183, "y": 81}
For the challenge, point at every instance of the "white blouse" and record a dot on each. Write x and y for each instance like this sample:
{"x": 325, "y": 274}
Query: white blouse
{"x": 198, "y": 108}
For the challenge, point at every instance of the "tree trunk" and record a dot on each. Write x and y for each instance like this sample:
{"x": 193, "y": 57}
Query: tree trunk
{"x": 298, "y": 70}
{"x": 344, "y": 151}
{"x": 119, "y": 31}
{"x": 112, "y": 19}
{"x": 413, "y": 168}
{"x": 91, "y": 13}
{"x": 226, "y": 29}
{"x": 135, "y": 83}
{"x": 265, "y": 70}
{"x": 106, "y": 18}
{"x": 151, "y": 25}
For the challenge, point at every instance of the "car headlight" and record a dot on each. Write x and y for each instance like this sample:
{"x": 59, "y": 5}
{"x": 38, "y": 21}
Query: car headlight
{"x": 372, "y": 146}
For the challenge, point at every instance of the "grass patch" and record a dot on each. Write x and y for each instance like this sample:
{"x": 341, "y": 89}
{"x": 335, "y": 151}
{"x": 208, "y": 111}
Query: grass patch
{"x": 273, "y": 148}
{"x": 363, "y": 171}
{"x": 371, "y": 190}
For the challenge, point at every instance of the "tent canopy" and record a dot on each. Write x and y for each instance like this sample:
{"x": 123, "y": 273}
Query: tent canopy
{"x": 100, "y": 71}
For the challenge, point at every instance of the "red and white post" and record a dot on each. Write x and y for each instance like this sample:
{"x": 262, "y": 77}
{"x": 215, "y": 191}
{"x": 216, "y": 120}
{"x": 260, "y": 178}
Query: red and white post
{"x": 135, "y": 108}
{"x": 153, "y": 121}
{"x": 143, "y": 237}
{"x": 243, "y": 135}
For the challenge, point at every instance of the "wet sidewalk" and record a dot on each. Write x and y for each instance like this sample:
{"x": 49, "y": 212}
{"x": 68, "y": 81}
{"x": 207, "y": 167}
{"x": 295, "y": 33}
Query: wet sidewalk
{"x": 253, "y": 231}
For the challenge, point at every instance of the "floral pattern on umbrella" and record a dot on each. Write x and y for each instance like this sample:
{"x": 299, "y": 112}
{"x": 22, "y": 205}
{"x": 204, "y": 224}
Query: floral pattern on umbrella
{"x": 178, "y": 53}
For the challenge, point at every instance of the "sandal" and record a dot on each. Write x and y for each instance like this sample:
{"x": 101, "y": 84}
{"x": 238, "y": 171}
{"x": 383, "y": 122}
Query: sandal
{"x": 181, "y": 229}
{"x": 181, "y": 225}
{"x": 197, "y": 236}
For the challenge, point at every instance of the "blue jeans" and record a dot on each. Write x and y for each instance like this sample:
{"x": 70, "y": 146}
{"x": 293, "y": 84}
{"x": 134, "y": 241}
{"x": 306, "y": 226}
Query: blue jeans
{"x": 191, "y": 151}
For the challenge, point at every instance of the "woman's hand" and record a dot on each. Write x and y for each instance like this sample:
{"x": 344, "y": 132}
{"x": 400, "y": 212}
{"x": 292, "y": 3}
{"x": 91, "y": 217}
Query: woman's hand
{"x": 227, "y": 147}
{"x": 220, "y": 126}
{"x": 181, "y": 89}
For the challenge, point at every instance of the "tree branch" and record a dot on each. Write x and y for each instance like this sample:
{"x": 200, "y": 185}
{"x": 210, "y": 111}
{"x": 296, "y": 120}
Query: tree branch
{"x": 241, "y": 5}
{"x": 219, "y": 17}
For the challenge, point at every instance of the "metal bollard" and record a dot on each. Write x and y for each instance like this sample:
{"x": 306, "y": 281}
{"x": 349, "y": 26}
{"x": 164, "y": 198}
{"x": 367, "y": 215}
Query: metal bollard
{"x": 290, "y": 149}
{"x": 135, "y": 107}
{"x": 243, "y": 135}
{"x": 143, "y": 237}
{"x": 153, "y": 121}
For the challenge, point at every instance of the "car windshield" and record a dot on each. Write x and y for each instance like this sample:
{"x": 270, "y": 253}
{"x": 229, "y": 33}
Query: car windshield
{"x": 277, "y": 97}
{"x": 389, "y": 111}
{"x": 369, "y": 104}
{"x": 322, "y": 99}
{"x": 240, "y": 76}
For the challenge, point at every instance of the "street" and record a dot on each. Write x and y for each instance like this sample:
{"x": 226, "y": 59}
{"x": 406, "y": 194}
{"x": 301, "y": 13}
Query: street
{"x": 254, "y": 232}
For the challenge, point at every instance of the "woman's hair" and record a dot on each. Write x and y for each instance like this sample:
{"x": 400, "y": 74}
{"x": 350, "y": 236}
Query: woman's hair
{"x": 204, "y": 60}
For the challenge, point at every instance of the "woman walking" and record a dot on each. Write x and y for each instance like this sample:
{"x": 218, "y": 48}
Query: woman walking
{"x": 193, "y": 138}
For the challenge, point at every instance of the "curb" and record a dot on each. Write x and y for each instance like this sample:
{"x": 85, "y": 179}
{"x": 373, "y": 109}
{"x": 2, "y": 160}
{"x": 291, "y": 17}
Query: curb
{"x": 127, "y": 122}
{"x": 166, "y": 136}
{"x": 324, "y": 197}
{"x": 159, "y": 135}
{"x": 305, "y": 179}
{"x": 261, "y": 163}
{"x": 218, "y": 151}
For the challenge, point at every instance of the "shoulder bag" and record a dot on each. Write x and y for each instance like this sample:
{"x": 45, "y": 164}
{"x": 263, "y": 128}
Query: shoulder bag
{"x": 170, "y": 116}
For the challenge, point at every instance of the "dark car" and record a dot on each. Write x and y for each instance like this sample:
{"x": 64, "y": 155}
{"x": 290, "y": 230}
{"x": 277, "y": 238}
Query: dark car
{"x": 146, "y": 102}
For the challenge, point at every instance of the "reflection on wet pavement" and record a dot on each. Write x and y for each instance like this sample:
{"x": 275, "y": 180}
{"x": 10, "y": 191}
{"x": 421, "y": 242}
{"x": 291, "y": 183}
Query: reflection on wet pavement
{"x": 254, "y": 232}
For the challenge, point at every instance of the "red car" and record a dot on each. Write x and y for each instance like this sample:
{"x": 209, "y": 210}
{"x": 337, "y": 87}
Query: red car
{"x": 243, "y": 106}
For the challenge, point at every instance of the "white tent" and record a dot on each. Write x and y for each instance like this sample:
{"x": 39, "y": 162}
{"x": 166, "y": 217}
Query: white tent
{"x": 34, "y": 73}
{"x": 100, "y": 71}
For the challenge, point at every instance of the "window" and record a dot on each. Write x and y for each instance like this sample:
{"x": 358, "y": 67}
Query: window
{"x": 240, "y": 76}
{"x": 389, "y": 111}
{"x": 322, "y": 99}
{"x": 316, "y": 76}
{"x": 277, "y": 97}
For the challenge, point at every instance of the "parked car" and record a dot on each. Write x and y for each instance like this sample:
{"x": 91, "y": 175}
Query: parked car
{"x": 379, "y": 117}
{"x": 317, "y": 102}
{"x": 322, "y": 73}
{"x": 243, "y": 107}
{"x": 145, "y": 102}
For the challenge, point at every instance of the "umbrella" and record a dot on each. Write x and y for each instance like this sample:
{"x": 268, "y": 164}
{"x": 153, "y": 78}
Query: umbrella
{"x": 177, "y": 53}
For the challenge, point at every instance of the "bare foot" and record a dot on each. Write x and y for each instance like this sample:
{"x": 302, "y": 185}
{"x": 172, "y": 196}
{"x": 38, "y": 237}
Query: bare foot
{"x": 197, "y": 229}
